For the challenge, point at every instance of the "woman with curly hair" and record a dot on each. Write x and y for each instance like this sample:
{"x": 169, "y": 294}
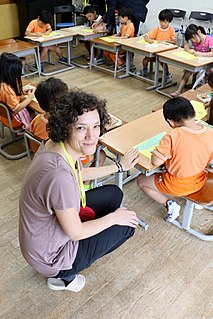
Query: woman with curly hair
{"x": 53, "y": 238}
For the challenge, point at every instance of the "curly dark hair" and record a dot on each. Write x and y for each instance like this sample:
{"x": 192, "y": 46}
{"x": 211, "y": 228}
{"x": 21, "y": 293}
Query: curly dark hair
{"x": 66, "y": 109}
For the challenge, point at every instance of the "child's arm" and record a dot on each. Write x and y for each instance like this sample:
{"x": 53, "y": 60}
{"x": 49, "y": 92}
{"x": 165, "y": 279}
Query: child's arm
{"x": 207, "y": 54}
{"x": 156, "y": 161}
{"x": 25, "y": 102}
{"x": 32, "y": 34}
{"x": 49, "y": 30}
{"x": 147, "y": 39}
{"x": 188, "y": 48}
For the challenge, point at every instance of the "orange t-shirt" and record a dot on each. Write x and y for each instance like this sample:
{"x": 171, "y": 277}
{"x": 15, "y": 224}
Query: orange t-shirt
{"x": 34, "y": 27}
{"x": 38, "y": 127}
{"x": 186, "y": 152}
{"x": 128, "y": 30}
{"x": 162, "y": 34}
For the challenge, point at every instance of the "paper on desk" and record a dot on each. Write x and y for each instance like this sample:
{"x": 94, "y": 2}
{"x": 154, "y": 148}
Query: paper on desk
{"x": 87, "y": 30}
{"x": 147, "y": 147}
{"x": 199, "y": 109}
{"x": 142, "y": 41}
{"x": 185, "y": 55}
{"x": 108, "y": 39}
{"x": 52, "y": 34}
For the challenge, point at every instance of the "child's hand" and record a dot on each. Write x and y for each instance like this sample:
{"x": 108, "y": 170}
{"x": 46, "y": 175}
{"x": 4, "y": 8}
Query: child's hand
{"x": 31, "y": 93}
{"x": 38, "y": 34}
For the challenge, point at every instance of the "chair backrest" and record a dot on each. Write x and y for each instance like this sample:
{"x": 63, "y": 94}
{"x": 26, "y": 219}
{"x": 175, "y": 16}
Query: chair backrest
{"x": 32, "y": 143}
{"x": 205, "y": 194}
{"x": 178, "y": 18}
{"x": 7, "y": 41}
{"x": 203, "y": 18}
{"x": 7, "y": 119}
{"x": 67, "y": 13}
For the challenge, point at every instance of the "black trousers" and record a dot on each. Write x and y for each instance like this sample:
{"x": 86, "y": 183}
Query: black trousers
{"x": 103, "y": 200}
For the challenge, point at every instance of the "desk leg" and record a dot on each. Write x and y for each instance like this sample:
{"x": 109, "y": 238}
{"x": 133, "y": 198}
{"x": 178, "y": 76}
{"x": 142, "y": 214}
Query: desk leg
{"x": 91, "y": 55}
{"x": 128, "y": 58}
{"x": 156, "y": 76}
{"x": 164, "y": 84}
{"x": 116, "y": 62}
{"x": 39, "y": 61}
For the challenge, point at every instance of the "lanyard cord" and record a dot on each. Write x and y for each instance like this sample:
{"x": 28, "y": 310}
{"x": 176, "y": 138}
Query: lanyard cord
{"x": 78, "y": 181}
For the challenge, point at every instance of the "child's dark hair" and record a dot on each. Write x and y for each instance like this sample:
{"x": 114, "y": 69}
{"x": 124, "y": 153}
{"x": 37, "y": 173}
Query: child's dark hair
{"x": 178, "y": 109}
{"x": 48, "y": 90}
{"x": 165, "y": 14}
{"x": 89, "y": 9}
{"x": 192, "y": 30}
{"x": 10, "y": 71}
{"x": 125, "y": 12}
{"x": 210, "y": 80}
{"x": 45, "y": 16}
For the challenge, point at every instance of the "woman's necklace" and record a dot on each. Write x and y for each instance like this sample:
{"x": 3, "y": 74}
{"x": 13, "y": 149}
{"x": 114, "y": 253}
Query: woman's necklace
{"x": 79, "y": 180}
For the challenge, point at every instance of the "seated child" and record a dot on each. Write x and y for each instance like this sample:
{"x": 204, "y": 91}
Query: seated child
{"x": 165, "y": 32}
{"x": 45, "y": 93}
{"x": 185, "y": 151}
{"x": 93, "y": 19}
{"x": 210, "y": 104}
{"x": 41, "y": 26}
{"x": 11, "y": 90}
{"x": 127, "y": 31}
{"x": 199, "y": 44}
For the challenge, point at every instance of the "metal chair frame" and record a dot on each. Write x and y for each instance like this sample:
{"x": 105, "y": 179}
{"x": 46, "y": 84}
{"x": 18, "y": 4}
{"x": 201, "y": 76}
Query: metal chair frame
{"x": 32, "y": 143}
{"x": 61, "y": 10}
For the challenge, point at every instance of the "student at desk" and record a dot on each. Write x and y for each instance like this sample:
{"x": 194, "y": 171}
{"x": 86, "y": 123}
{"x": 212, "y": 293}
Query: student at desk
{"x": 199, "y": 44}
{"x": 186, "y": 151}
{"x": 92, "y": 19}
{"x": 127, "y": 31}
{"x": 41, "y": 26}
{"x": 11, "y": 90}
{"x": 210, "y": 104}
{"x": 164, "y": 33}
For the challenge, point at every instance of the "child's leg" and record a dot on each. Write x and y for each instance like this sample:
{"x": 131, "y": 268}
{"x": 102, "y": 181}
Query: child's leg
{"x": 182, "y": 83}
{"x": 147, "y": 184}
{"x": 43, "y": 53}
{"x": 145, "y": 62}
{"x": 56, "y": 49}
{"x": 107, "y": 55}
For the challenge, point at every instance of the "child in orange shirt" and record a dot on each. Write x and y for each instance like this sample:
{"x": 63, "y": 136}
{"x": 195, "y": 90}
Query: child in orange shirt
{"x": 186, "y": 151}
{"x": 165, "y": 32}
{"x": 11, "y": 90}
{"x": 41, "y": 26}
{"x": 45, "y": 93}
{"x": 127, "y": 31}
{"x": 210, "y": 105}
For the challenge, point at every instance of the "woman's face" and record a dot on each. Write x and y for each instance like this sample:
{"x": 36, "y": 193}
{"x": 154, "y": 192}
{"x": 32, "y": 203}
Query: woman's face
{"x": 84, "y": 133}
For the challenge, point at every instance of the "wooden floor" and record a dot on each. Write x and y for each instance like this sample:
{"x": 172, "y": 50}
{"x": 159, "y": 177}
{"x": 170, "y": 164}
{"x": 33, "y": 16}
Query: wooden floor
{"x": 163, "y": 273}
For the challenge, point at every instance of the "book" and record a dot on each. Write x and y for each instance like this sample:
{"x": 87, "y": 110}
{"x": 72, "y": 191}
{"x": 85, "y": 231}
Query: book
{"x": 115, "y": 122}
{"x": 147, "y": 147}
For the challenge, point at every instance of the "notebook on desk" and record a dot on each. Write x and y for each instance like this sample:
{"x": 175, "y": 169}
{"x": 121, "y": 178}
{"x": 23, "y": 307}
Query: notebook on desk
{"x": 147, "y": 147}
{"x": 115, "y": 122}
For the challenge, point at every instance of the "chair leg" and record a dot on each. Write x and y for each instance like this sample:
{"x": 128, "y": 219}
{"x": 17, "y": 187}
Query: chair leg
{"x": 187, "y": 214}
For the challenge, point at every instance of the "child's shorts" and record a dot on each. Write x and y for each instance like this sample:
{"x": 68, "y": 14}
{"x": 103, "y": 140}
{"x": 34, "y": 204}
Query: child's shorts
{"x": 179, "y": 186}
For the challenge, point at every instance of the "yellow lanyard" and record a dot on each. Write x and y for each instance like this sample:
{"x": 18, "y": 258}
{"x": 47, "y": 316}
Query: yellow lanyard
{"x": 79, "y": 180}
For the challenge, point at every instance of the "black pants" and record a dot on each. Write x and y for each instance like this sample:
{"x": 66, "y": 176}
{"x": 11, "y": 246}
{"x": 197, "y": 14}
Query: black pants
{"x": 103, "y": 200}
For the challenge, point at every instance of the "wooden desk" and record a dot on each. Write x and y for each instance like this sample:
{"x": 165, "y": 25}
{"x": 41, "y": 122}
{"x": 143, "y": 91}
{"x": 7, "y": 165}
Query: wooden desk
{"x": 21, "y": 49}
{"x": 103, "y": 44}
{"x": 138, "y": 45}
{"x": 195, "y": 64}
{"x": 58, "y": 38}
{"x": 121, "y": 139}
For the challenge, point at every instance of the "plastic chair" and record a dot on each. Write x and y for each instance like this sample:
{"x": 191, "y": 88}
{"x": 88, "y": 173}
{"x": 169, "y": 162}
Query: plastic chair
{"x": 203, "y": 198}
{"x": 203, "y": 18}
{"x": 15, "y": 129}
{"x": 178, "y": 23}
{"x": 68, "y": 11}
{"x": 32, "y": 143}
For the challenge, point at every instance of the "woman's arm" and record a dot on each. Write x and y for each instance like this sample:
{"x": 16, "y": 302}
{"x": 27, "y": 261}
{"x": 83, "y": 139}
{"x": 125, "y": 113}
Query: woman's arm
{"x": 76, "y": 230}
{"x": 128, "y": 161}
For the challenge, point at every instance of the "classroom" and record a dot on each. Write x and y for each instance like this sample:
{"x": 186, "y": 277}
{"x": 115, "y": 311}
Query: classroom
{"x": 166, "y": 269}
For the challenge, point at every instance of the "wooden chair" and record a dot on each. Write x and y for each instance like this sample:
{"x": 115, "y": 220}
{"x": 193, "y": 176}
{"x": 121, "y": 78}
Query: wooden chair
{"x": 32, "y": 143}
{"x": 15, "y": 130}
{"x": 204, "y": 198}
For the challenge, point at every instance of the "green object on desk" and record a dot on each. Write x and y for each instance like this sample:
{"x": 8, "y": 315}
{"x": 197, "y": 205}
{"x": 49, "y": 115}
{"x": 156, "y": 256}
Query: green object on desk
{"x": 147, "y": 147}
{"x": 199, "y": 109}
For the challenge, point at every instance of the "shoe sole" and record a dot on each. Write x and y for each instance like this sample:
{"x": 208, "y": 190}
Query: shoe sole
{"x": 58, "y": 284}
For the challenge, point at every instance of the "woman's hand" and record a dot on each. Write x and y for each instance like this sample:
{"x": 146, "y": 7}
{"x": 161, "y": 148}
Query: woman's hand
{"x": 125, "y": 217}
{"x": 130, "y": 159}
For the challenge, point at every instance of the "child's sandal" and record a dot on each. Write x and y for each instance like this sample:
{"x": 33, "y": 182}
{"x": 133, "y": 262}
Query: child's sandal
{"x": 175, "y": 94}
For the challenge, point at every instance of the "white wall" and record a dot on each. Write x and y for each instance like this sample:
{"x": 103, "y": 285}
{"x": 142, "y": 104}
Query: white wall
{"x": 155, "y": 6}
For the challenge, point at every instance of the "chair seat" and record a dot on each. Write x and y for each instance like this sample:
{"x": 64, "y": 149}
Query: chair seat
{"x": 65, "y": 24}
{"x": 205, "y": 194}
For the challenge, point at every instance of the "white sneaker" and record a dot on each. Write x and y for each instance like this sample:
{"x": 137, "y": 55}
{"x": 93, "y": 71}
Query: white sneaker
{"x": 58, "y": 284}
{"x": 173, "y": 210}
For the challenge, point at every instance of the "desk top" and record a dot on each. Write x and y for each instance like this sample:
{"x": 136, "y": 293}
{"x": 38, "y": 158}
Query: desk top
{"x": 18, "y": 46}
{"x": 82, "y": 30}
{"x": 106, "y": 41}
{"x": 58, "y": 34}
{"x": 124, "y": 137}
{"x": 180, "y": 55}
{"x": 139, "y": 43}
